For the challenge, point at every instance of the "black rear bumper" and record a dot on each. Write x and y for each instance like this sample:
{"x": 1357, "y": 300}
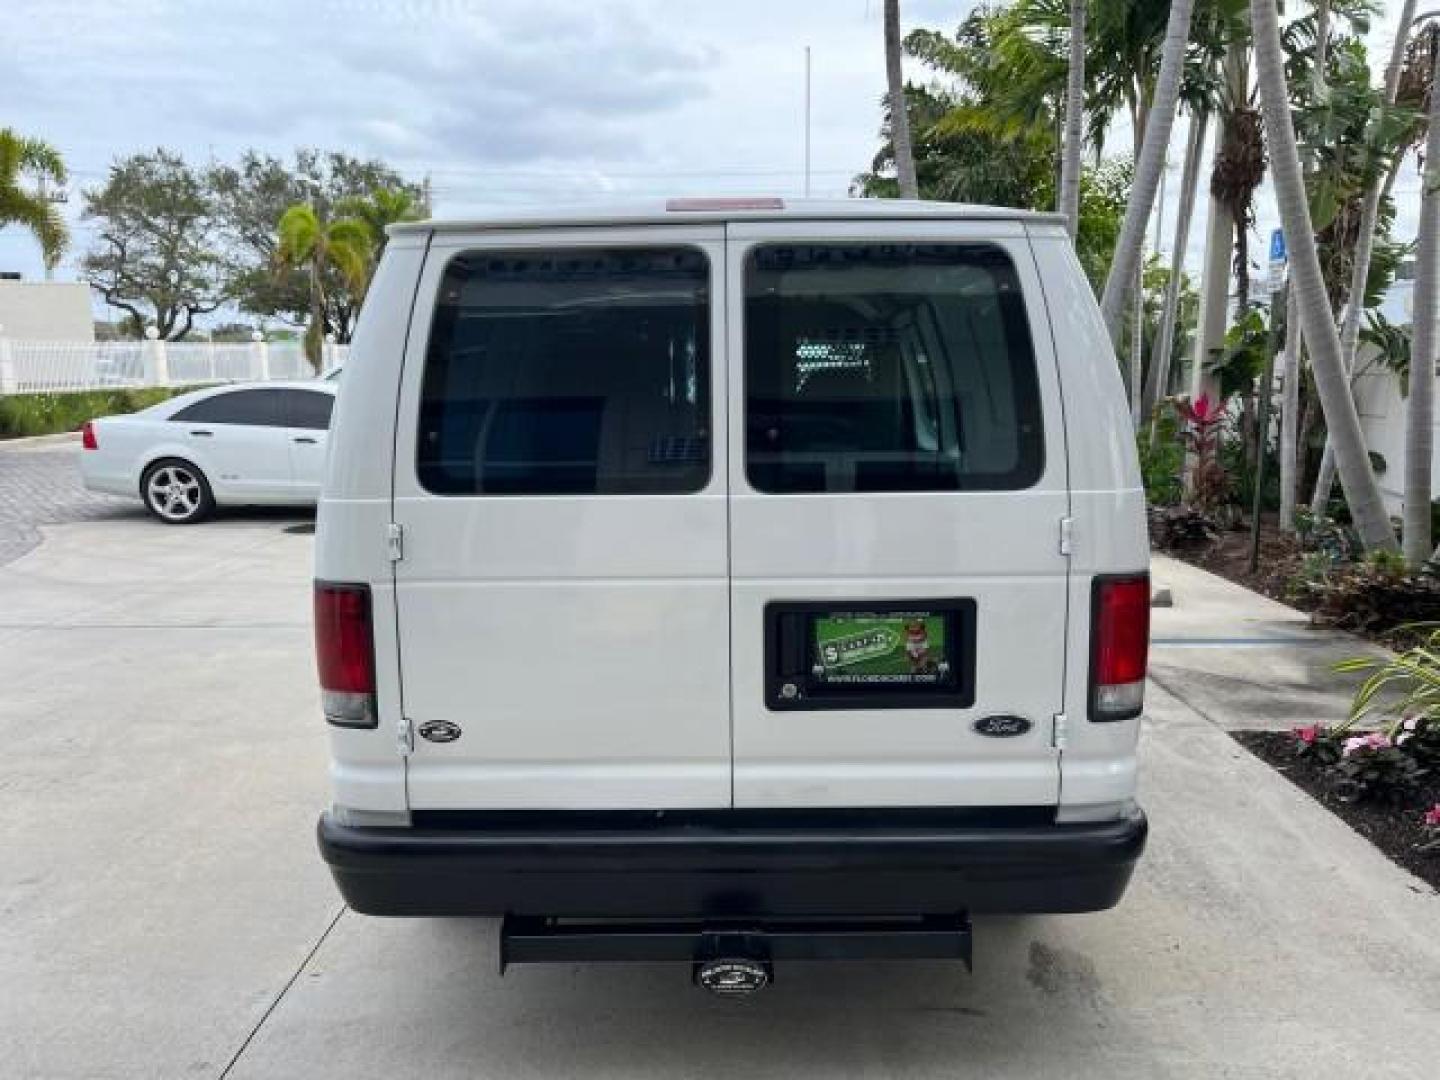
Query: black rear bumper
{"x": 731, "y": 866}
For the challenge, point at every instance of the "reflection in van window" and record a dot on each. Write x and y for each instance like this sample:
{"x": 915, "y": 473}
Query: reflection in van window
{"x": 888, "y": 367}
{"x": 569, "y": 372}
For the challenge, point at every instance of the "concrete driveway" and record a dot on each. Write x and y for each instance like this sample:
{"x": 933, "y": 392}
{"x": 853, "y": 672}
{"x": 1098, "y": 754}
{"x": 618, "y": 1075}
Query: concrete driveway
{"x": 163, "y": 912}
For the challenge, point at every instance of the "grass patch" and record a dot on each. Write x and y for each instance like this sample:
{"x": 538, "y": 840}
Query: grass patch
{"x": 51, "y": 414}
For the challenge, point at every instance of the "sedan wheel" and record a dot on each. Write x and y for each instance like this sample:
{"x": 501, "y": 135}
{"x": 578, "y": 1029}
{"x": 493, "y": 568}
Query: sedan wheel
{"x": 177, "y": 493}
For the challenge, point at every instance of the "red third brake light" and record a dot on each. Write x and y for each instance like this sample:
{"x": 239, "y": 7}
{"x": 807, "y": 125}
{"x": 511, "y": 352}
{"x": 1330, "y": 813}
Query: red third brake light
{"x": 1120, "y": 644}
{"x": 345, "y": 652}
{"x": 87, "y": 436}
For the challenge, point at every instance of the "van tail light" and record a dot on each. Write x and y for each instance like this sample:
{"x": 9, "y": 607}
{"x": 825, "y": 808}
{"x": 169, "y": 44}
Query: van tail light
{"x": 87, "y": 436}
{"x": 345, "y": 653}
{"x": 1120, "y": 646}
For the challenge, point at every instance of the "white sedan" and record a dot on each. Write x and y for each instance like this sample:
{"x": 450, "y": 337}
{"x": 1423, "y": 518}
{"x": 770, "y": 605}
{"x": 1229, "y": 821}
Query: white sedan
{"x": 244, "y": 444}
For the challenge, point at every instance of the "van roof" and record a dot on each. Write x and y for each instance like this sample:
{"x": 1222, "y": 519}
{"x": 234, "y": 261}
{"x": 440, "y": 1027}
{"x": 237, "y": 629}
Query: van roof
{"x": 726, "y": 208}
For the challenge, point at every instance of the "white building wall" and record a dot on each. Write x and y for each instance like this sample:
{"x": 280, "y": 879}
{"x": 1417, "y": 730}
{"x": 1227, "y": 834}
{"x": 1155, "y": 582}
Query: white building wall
{"x": 1382, "y": 419}
{"x": 45, "y": 311}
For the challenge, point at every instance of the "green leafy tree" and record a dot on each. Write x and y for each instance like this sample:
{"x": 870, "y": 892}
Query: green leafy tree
{"x": 316, "y": 247}
{"x": 156, "y": 255}
{"x": 252, "y": 195}
{"x": 22, "y": 157}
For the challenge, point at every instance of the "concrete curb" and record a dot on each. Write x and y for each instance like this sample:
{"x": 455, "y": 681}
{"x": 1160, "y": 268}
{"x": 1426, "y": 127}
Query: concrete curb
{"x": 33, "y": 442}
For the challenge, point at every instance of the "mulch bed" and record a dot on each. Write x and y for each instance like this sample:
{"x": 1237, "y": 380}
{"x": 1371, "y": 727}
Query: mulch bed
{"x": 1394, "y": 829}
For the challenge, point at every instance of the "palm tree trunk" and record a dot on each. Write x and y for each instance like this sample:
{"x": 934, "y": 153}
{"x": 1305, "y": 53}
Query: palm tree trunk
{"x": 315, "y": 333}
{"x": 899, "y": 117}
{"x": 1074, "y": 120}
{"x": 1137, "y": 351}
{"x": 1289, "y": 414}
{"x": 1124, "y": 264}
{"x": 1420, "y": 405}
{"x": 1364, "y": 246}
{"x": 1356, "y": 476}
{"x": 1164, "y": 342}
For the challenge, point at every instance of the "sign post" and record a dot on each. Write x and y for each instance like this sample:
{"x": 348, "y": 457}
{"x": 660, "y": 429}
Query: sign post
{"x": 1267, "y": 387}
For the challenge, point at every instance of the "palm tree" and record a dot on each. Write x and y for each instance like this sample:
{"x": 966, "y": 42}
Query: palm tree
{"x": 1364, "y": 246}
{"x": 1156, "y": 131}
{"x": 899, "y": 118}
{"x": 385, "y": 206}
{"x": 1356, "y": 475}
{"x": 1420, "y": 405}
{"x": 315, "y": 246}
{"x": 1074, "y": 120}
{"x": 1190, "y": 174}
{"x": 20, "y": 157}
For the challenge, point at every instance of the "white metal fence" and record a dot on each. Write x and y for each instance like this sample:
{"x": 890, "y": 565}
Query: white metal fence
{"x": 36, "y": 367}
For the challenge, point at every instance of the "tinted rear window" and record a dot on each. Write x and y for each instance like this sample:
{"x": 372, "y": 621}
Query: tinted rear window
{"x": 888, "y": 367}
{"x": 309, "y": 408}
{"x": 568, "y": 372}
{"x": 260, "y": 407}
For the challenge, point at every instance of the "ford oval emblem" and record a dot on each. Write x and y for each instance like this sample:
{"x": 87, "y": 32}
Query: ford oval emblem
{"x": 441, "y": 731}
{"x": 734, "y": 977}
{"x": 1002, "y": 726}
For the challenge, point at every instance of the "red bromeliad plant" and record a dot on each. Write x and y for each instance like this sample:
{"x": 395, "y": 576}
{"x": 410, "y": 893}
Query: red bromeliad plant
{"x": 1201, "y": 420}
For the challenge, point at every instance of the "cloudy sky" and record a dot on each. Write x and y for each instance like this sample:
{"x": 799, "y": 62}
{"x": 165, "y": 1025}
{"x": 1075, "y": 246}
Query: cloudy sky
{"x": 497, "y": 101}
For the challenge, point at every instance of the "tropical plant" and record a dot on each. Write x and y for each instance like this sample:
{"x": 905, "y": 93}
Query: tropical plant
{"x": 380, "y": 208}
{"x": 1388, "y": 131}
{"x": 307, "y": 242}
{"x": 1201, "y": 421}
{"x": 22, "y": 157}
{"x": 900, "y": 117}
{"x": 1156, "y": 140}
{"x": 1362, "y": 493}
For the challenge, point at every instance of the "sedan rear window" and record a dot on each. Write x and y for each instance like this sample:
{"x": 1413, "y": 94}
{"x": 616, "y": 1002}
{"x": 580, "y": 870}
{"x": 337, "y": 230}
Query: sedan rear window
{"x": 888, "y": 367}
{"x": 257, "y": 407}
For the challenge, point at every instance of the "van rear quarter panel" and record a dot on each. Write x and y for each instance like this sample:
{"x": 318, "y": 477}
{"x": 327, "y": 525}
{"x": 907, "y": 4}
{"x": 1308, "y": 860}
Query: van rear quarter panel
{"x": 1108, "y": 507}
{"x": 366, "y": 770}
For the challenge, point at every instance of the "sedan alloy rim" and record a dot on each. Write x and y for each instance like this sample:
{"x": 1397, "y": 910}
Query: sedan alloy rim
{"x": 174, "y": 492}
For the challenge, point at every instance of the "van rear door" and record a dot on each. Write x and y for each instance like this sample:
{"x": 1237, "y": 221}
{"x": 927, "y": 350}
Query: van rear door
{"x": 898, "y": 483}
{"x": 562, "y": 598}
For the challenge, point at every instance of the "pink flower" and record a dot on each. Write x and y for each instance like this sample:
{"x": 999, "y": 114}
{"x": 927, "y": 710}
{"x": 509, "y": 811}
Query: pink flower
{"x": 1308, "y": 734}
{"x": 1375, "y": 740}
{"x": 1411, "y": 722}
{"x": 1432, "y": 816}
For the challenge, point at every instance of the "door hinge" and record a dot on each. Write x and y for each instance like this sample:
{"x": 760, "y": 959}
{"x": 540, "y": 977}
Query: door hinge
{"x": 404, "y": 736}
{"x": 1062, "y": 731}
{"x": 395, "y": 541}
{"x": 1067, "y": 535}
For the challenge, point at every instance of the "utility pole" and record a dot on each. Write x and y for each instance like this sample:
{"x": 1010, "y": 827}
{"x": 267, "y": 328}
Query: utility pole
{"x": 807, "y": 121}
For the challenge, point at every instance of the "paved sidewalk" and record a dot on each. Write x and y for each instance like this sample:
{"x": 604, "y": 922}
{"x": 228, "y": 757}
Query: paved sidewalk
{"x": 1243, "y": 660}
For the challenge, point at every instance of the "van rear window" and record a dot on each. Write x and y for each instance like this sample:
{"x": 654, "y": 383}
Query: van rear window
{"x": 888, "y": 367}
{"x": 568, "y": 372}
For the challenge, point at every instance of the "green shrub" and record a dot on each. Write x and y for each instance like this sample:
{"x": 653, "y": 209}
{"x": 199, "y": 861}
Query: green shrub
{"x": 1162, "y": 463}
{"x": 50, "y": 414}
{"x": 1377, "y": 596}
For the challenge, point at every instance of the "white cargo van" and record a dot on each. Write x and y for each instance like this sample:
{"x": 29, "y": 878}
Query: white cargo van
{"x": 731, "y": 580}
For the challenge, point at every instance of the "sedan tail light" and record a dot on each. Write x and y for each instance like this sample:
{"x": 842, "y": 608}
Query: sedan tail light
{"x": 1120, "y": 646}
{"x": 345, "y": 653}
{"x": 87, "y": 436}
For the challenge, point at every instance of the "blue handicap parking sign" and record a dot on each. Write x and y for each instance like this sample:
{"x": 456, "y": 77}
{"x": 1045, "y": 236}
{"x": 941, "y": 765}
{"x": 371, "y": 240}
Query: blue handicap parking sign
{"x": 1277, "y": 245}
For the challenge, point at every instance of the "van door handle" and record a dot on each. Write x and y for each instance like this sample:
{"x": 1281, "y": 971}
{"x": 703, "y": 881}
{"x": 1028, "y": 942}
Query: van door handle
{"x": 305, "y": 439}
{"x": 207, "y": 434}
